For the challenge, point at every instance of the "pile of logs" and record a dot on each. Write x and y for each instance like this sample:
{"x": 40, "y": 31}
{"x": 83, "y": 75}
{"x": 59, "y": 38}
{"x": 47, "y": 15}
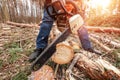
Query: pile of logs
{"x": 96, "y": 68}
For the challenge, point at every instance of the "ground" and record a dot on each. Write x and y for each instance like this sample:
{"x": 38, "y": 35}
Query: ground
{"x": 17, "y": 43}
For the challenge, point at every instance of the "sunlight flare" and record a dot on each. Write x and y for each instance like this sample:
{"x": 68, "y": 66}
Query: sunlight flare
{"x": 101, "y": 3}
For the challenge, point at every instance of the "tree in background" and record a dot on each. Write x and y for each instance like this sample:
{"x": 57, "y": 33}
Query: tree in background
{"x": 30, "y": 11}
{"x": 26, "y": 11}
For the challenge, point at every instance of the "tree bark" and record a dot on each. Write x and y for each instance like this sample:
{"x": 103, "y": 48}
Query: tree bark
{"x": 98, "y": 69}
{"x": 4, "y": 11}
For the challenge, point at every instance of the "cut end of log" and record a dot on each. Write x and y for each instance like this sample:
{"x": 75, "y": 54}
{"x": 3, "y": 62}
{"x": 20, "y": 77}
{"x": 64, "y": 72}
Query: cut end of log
{"x": 45, "y": 73}
{"x": 64, "y": 53}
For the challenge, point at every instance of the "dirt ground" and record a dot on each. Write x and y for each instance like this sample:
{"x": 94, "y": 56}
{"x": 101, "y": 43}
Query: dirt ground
{"x": 17, "y": 43}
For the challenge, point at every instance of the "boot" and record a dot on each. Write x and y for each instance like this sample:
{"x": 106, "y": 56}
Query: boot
{"x": 94, "y": 51}
{"x": 35, "y": 54}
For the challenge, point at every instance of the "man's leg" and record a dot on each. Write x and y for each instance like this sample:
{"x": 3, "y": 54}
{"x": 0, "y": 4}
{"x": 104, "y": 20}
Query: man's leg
{"x": 85, "y": 42}
{"x": 42, "y": 38}
{"x": 83, "y": 36}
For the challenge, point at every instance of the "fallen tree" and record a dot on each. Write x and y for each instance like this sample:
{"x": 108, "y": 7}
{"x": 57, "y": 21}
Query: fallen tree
{"x": 97, "y": 69}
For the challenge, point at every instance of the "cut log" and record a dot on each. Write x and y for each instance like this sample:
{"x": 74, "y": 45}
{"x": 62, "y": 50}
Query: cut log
{"x": 103, "y": 29}
{"x": 100, "y": 44}
{"x": 45, "y": 73}
{"x": 113, "y": 43}
{"x": 98, "y": 69}
{"x": 64, "y": 53}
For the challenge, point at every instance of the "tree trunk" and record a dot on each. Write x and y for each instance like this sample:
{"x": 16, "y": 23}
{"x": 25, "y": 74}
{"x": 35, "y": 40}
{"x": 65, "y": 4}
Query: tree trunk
{"x": 5, "y": 11}
{"x": 98, "y": 69}
{"x": 103, "y": 29}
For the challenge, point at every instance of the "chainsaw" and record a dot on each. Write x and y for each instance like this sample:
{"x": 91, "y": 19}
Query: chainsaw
{"x": 72, "y": 22}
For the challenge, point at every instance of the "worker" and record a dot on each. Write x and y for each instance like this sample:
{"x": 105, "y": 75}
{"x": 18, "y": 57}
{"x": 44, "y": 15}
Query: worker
{"x": 45, "y": 28}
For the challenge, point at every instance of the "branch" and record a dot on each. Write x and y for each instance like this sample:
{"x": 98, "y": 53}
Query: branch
{"x": 115, "y": 44}
{"x": 100, "y": 44}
